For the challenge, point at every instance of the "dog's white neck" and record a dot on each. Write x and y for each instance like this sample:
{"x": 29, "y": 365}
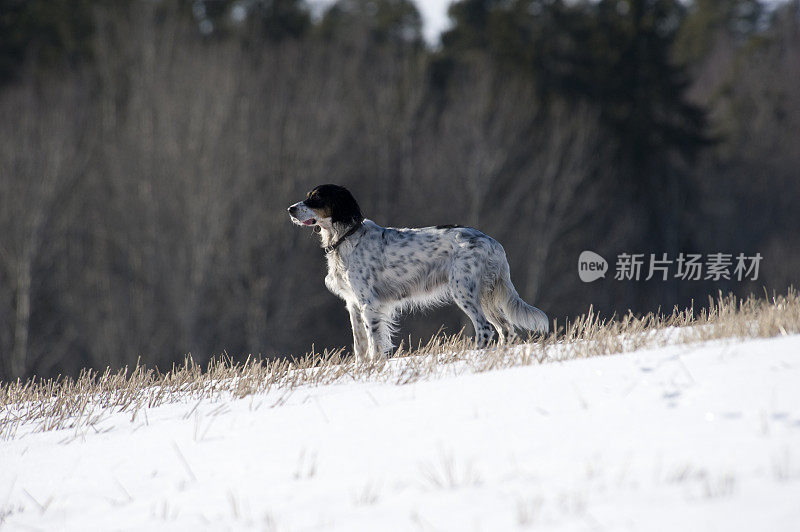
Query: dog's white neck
{"x": 331, "y": 233}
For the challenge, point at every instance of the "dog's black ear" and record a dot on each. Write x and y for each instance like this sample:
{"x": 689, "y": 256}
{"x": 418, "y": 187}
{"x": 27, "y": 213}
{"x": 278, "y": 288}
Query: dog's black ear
{"x": 344, "y": 208}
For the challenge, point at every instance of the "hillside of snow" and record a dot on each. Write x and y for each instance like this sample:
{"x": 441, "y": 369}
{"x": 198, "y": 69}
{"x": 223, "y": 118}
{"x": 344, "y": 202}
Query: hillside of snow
{"x": 683, "y": 437}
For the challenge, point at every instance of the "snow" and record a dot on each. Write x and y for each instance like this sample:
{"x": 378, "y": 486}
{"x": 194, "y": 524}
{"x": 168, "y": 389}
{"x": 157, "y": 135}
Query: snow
{"x": 433, "y": 13}
{"x": 434, "y": 18}
{"x": 682, "y": 437}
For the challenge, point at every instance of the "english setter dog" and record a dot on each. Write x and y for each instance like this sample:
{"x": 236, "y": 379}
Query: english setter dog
{"x": 379, "y": 271}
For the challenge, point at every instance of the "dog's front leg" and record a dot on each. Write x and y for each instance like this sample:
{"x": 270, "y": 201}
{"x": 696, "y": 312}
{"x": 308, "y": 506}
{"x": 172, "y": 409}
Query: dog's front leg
{"x": 360, "y": 342}
{"x": 379, "y": 340}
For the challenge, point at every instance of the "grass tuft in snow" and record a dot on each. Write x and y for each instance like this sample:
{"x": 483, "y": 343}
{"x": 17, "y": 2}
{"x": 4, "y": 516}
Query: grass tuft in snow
{"x": 446, "y": 473}
{"x": 79, "y": 403}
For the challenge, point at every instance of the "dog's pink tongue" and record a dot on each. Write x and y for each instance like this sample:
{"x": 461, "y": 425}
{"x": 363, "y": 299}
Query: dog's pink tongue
{"x": 309, "y": 222}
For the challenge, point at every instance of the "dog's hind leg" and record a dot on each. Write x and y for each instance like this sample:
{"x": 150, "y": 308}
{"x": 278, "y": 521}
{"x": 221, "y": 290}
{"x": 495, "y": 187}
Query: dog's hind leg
{"x": 465, "y": 296}
{"x": 505, "y": 330}
{"x": 508, "y": 334}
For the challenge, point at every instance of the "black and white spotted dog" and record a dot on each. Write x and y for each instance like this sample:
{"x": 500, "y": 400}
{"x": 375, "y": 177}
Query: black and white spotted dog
{"x": 379, "y": 271}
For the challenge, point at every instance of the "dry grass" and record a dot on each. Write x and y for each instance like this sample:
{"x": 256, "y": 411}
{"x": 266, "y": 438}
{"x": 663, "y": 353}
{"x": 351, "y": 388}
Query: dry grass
{"x": 42, "y": 405}
{"x": 446, "y": 473}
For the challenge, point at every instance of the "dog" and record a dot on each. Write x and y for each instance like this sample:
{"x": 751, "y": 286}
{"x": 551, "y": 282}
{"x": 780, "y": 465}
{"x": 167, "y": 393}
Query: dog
{"x": 379, "y": 271}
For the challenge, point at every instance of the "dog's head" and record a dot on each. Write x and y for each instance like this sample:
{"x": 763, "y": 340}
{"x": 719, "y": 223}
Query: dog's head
{"x": 326, "y": 205}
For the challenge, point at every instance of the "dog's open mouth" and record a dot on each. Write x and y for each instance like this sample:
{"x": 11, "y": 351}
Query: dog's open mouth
{"x": 310, "y": 221}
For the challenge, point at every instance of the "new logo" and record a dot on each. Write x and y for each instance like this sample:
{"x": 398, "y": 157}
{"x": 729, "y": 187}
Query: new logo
{"x": 591, "y": 266}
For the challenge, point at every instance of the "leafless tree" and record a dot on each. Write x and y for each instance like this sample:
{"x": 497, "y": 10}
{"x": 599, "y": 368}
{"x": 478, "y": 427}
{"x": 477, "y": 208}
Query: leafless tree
{"x": 43, "y": 153}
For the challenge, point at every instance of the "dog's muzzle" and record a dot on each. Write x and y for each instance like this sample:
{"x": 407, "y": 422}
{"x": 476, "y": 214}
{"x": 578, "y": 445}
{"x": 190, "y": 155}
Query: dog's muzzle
{"x": 298, "y": 211}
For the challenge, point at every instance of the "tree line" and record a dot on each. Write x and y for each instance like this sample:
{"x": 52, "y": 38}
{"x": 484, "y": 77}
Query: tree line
{"x": 148, "y": 151}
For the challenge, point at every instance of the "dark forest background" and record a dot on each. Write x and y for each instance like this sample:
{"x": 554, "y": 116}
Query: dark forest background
{"x": 149, "y": 149}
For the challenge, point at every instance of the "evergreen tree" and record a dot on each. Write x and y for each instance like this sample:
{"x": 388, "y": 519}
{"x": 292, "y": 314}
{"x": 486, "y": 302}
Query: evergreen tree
{"x": 615, "y": 55}
{"x": 383, "y": 21}
{"x": 273, "y": 20}
{"x": 706, "y": 19}
{"x": 46, "y": 32}
{"x": 642, "y": 97}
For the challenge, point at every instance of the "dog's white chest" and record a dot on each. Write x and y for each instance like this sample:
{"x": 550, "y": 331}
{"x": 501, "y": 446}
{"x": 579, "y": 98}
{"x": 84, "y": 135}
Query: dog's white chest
{"x": 336, "y": 280}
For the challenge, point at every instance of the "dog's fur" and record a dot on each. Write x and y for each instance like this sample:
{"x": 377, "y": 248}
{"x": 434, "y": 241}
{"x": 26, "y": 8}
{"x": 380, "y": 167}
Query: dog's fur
{"x": 379, "y": 271}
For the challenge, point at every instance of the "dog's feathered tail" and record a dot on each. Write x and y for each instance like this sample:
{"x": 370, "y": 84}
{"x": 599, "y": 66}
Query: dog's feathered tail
{"x": 516, "y": 310}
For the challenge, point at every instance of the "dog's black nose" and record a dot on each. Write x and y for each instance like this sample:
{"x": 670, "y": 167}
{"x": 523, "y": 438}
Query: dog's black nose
{"x": 292, "y": 209}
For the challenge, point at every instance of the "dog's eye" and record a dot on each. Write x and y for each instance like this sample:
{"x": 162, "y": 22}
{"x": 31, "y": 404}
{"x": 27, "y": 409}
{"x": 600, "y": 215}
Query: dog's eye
{"x": 313, "y": 202}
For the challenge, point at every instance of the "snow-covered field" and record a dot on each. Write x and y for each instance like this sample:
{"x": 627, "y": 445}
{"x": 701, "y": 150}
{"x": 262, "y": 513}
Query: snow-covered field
{"x": 684, "y": 437}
